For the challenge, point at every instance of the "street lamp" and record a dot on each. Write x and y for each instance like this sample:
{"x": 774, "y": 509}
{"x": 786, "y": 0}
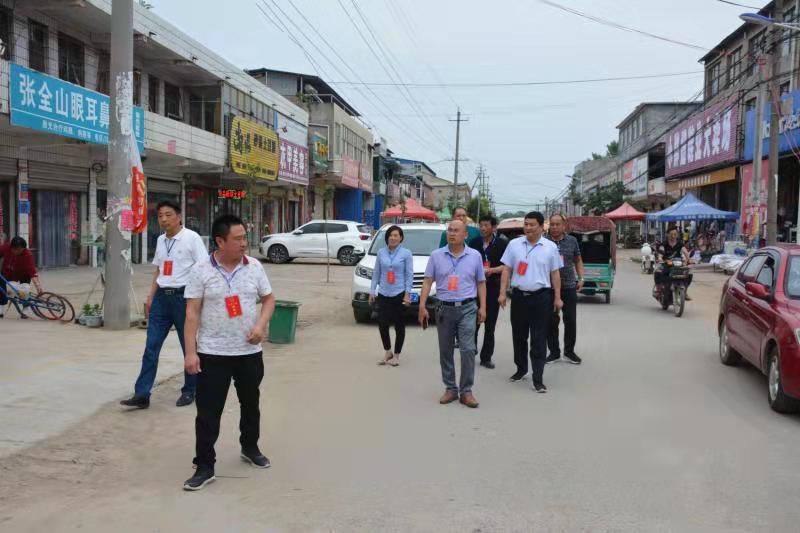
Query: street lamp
{"x": 762, "y": 20}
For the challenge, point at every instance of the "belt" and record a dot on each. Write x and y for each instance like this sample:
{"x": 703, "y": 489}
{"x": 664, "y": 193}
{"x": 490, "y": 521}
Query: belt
{"x": 171, "y": 290}
{"x": 530, "y": 293}
{"x": 457, "y": 304}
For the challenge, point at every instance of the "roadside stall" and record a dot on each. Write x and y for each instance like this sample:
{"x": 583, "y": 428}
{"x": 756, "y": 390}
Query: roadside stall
{"x": 626, "y": 214}
{"x": 409, "y": 212}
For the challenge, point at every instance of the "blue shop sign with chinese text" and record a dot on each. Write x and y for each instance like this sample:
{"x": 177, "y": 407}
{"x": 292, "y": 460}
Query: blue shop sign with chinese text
{"x": 44, "y": 103}
{"x": 789, "y": 138}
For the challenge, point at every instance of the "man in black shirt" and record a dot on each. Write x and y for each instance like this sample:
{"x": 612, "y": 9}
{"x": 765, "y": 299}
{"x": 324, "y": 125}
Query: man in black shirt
{"x": 671, "y": 249}
{"x": 491, "y": 246}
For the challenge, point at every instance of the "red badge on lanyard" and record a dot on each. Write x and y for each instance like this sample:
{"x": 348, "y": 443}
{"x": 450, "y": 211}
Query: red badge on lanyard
{"x": 390, "y": 277}
{"x": 486, "y": 264}
{"x": 522, "y": 267}
{"x": 452, "y": 283}
{"x": 167, "y": 268}
{"x": 233, "y": 306}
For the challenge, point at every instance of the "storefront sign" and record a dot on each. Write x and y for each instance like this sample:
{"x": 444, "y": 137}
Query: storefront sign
{"x": 44, "y": 103}
{"x": 73, "y": 216}
{"x": 253, "y": 149}
{"x": 350, "y": 172}
{"x": 789, "y": 127}
{"x": 754, "y": 207}
{"x": 704, "y": 139}
{"x": 656, "y": 186}
{"x": 232, "y": 194}
{"x": 702, "y": 180}
{"x": 638, "y": 182}
{"x": 319, "y": 151}
{"x": 293, "y": 164}
{"x": 365, "y": 178}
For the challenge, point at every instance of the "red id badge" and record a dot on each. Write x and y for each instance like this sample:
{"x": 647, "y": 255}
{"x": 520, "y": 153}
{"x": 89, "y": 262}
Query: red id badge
{"x": 167, "y": 270}
{"x": 522, "y": 267}
{"x": 486, "y": 264}
{"x": 452, "y": 283}
{"x": 390, "y": 277}
{"x": 233, "y": 306}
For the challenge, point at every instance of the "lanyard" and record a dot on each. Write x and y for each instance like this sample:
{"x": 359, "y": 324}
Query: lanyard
{"x": 228, "y": 278}
{"x": 487, "y": 246}
{"x": 532, "y": 248}
{"x": 456, "y": 261}
{"x": 392, "y": 256}
{"x": 167, "y": 244}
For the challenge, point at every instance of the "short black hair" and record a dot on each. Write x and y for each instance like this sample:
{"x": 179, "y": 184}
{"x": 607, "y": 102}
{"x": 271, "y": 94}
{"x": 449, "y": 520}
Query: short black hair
{"x": 537, "y": 216}
{"x": 488, "y": 218}
{"x": 222, "y": 226}
{"x": 18, "y": 242}
{"x": 389, "y": 232}
{"x": 460, "y": 207}
{"x": 170, "y": 204}
{"x": 670, "y": 228}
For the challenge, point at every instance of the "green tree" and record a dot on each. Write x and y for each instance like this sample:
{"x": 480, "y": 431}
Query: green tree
{"x": 612, "y": 149}
{"x": 606, "y": 199}
{"x": 515, "y": 214}
{"x": 472, "y": 208}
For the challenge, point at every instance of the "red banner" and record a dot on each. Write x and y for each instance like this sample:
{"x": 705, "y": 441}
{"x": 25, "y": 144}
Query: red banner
{"x": 138, "y": 200}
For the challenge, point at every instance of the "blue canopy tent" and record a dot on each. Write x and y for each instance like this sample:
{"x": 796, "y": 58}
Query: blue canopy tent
{"x": 690, "y": 208}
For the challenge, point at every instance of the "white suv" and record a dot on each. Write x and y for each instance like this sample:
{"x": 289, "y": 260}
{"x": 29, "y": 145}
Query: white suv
{"x": 421, "y": 240}
{"x": 342, "y": 236}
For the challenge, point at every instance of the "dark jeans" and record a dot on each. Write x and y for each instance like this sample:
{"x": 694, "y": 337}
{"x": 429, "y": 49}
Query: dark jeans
{"x": 531, "y": 315}
{"x": 213, "y": 383}
{"x": 166, "y": 311}
{"x": 492, "y": 312}
{"x": 569, "y": 312}
{"x": 391, "y": 311}
{"x": 457, "y": 323}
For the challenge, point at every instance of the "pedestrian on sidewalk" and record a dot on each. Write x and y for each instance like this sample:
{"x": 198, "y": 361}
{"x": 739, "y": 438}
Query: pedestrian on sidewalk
{"x": 178, "y": 250}
{"x": 491, "y": 246}
{"x": 531, "y": 264}
{"x": 460, "y": 281}
{"x": 224, "y": 331}
{"x": 392, "y": 281}
{"x": 571, "y": 284}
{"x": 19, "y": 267}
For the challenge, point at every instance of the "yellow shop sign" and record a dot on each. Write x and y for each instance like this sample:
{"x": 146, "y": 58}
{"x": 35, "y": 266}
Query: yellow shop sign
{"x": 253, "y": 149}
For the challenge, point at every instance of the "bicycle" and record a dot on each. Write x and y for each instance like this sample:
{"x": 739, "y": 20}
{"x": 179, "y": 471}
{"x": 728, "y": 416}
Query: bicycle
{"x": 45, "y": 305}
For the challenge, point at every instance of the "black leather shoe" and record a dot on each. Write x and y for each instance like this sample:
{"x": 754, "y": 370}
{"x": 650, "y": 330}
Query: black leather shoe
{"x": 573, "y": 358}
{"x": 487, "y": 364}
{"x": 255, "y": 458}
{"x": 552, "y": 358}
{"x": 186, "y": 399}
{"x": 540, "y": 388}
{"x": 136, "y": 403}
{"x": 202, "y": 477}
{"x": 516, "y": 377}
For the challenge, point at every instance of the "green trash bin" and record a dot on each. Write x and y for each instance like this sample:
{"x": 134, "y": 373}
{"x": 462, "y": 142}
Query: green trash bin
{"x": 283, "y": 323}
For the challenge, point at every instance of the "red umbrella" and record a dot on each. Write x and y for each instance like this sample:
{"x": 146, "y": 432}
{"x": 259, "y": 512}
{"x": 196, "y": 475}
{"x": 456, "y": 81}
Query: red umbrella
{"x": 413, "y": 210}
{"x": 625, "y": 212}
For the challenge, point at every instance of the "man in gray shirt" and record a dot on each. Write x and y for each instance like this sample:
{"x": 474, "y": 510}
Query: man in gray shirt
{"x": 571, "y": 284}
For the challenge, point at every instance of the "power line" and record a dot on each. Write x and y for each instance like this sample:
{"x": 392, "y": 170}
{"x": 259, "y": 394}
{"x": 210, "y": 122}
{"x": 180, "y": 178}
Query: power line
{"x": 740, "y": 5}
{"x": 611, "y": 23}
{"x": 519, "y": 83}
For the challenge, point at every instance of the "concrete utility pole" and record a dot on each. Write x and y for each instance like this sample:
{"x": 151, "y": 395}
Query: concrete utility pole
{"x": 774, "y": 137}
{"x": 755, "y": 184}
{"x": 116, "y": 305}
{"x": 458, "y": 122}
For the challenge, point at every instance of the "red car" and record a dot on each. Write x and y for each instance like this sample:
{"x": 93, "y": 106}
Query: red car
{"x": 759, "y": 321}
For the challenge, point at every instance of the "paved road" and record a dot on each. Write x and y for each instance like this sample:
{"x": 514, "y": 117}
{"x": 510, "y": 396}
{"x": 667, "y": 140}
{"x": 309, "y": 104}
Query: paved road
{"x": 650, "y": 434}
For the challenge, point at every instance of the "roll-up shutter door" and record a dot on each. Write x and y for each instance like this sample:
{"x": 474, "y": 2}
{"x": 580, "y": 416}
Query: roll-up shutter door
{"x": 57, "y": 177}
{"x": 8, "y": 169}
{"x": 164, "y": 186}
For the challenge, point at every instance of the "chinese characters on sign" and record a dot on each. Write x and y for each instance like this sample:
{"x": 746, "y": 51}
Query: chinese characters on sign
{"x": 704, "y": 139}
{"x": 73, "y": 216}
{"x": 233, "y": 194}
{"x": 253, "y": 149}
{"x": 350, "y": 172}
{"x": 320, "y": 151}
{"x": 44, "y": 103}
{"x": 293, "y": 162}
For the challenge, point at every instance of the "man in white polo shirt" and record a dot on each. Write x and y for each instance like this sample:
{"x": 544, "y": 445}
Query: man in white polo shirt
{"x": 532, "y": 265}
{"x": 224, "y": 331}
{"x": 177, "y": 251}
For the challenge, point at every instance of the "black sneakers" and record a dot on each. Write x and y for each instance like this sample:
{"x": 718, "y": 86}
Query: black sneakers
{"x": 202, "y": 477}
{"x": 552, "y": 358}
{"x": 186, "y": 399}
{"x": 516, "y": 377}
{"x": 255, "y": 458}
{"x": 488, "y": 364}
{"x": 572, "y": 358}
{"x": 540, "y": 388}
{"x": 136, "y": 402}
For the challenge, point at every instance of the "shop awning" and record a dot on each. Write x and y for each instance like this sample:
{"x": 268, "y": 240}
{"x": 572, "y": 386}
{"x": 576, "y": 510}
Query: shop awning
{"x": 691, "y": 208}
{"x": 412, "y": 210}
{"x": 625, "y": 212}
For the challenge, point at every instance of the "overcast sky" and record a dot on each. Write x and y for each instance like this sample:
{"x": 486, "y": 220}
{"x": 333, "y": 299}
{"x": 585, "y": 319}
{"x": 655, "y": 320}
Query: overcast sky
{"x": 528, "y": 138}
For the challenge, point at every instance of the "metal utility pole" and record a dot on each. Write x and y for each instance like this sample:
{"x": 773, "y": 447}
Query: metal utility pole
{"x": 116, "y": 305}
{"x": 774, "y": 137}
{"x": 458, "y": 122}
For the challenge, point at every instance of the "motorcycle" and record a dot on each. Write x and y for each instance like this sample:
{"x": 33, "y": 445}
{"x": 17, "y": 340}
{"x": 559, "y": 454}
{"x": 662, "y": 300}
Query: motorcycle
{"x": 648, "y": 259}
{"x": 673, "y": 293}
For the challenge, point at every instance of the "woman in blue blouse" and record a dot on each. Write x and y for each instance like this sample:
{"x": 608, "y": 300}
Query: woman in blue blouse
{"x": 392, "y": 281}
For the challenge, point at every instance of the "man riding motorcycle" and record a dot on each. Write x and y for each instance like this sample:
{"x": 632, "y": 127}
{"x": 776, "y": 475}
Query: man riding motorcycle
{"x": 672, "y": 248}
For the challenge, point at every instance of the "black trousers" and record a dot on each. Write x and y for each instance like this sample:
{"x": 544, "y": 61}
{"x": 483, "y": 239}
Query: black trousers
{"x": 213, "y": 383}
{"x": 530, "y": 316}
{"x": 492, "y": 312}
{"x": 569, "y": 312}
{"x": 391, "y": 311}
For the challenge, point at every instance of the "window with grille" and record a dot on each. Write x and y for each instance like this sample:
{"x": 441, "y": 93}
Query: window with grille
{"x": 37, "y": 46}
{"x": 172, "y": 101}
{"x": 787, "y": 41}
{"x": 153, "y": 91}
{"x": 714, "y": 74}
{"x": 103, "y": 73}
{"x": 734, "y": 66}
{"x": 6, "y": 31}
{"x": 755, "y": 51}
{"x": 70, "y": 59}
